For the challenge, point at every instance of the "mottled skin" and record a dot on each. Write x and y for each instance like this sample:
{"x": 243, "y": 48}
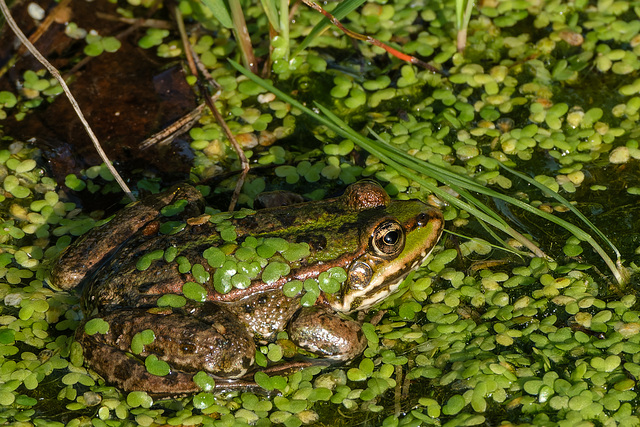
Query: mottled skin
{"x": 375, "y": 240}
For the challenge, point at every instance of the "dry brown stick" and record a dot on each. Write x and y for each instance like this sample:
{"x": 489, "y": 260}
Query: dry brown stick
{"x": 196, "y": 70}
{"x": 180, "y": 126}
{"x": 35, "y": 36}
{"x": 54, "y": 72}
{"x": 44, "y": 26}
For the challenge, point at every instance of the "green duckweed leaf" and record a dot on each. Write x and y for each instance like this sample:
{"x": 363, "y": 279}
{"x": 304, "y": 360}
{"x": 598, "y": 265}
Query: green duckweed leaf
{"x": 274, "y": 271}
{"x": 145, "y": 261}
{"x": 171, "y": 300}
{"x": 327, "y": 283}
{"x": 240, "y": 281}
{"x": 296, "y": 251}
{"x": 139, "y": 398}
{"x": 308, "y": 299}
{"x": 292, "y": 288}
{"x": 204, "y": 381}
{"x": 275, "y": 353}
{"x": 174, "y": 208}
{"x": 170, "y": 253}
{"x": 172, "y": 227}
{"x": 199, "y": 273}
{"x": 96, "y": 326}
{"x": 7, "y": 336}
{"x": 203, "y": 400}
{"x": 156, "y": 366}
{"x": 227, "y": 232}
{"x": 214, "y": 256}
{"x": 141, "y": 339}
{"x": 277, "y": 243}
{"x": 265, "y": 251}
{"x": 454, "y": 405}
{"x": 184, "y": 266}
{"x": 194, "y": 291}
{"x": 263, "y": 380}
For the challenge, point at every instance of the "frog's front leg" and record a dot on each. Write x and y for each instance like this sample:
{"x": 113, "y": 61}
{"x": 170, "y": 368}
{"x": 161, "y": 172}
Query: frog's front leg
{"x": 206, "y": 338}
{"x": 324, "y": 333}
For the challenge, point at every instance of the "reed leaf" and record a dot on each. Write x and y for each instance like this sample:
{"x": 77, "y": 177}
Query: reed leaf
{"x": 270, "y": 8}
{"x": 412, "y": 168}
{"x": 220, "y": 12}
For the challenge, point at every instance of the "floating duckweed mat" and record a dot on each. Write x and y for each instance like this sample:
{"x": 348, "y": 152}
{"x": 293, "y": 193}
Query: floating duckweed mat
{"x": 474, "y": 338}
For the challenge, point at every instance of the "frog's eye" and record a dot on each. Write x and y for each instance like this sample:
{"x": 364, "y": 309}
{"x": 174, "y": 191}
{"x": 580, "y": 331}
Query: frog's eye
{"x": 387, "y": 239}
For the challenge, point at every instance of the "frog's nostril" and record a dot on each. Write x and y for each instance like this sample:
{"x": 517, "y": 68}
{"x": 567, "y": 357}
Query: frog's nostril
{"x": 422, "y": 219}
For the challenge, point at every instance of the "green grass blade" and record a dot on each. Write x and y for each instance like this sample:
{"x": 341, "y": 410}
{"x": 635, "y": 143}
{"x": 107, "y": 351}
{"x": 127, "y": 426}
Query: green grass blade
{"x": 284, "y": 26}
{"x": 270, "y": 8}
{"x": 455, "y": 180}
{"x": 391, "y": 157}
{"x": 460, "y": 7}
{"x": 550, "y": 193}
{"x": 411, "y": 167}
{"x": 220, "y": 12}
{"x": 342, "y": 10}
{"x": 342, "y": 129}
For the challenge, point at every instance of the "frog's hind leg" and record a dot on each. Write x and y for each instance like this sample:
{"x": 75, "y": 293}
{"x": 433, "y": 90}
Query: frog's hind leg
{"x": 95, "y": 246}
{"x": 208, "y": 338}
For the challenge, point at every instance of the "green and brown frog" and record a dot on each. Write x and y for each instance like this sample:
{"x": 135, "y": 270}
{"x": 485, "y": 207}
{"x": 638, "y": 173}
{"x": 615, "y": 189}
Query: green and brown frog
{"x": 208, "y": 289}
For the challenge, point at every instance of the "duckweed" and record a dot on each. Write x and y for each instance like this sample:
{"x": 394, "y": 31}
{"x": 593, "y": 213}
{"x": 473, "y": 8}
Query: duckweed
{"x": 530, "y": 340}
{"x": 194, "y": 291}
{"x": 145, "y": 261}
{"x": 141, "y": 339}
{"x": 184, "y": 266}
{"x": 156, "y": 366}
{"x": 274, "y": 271}
{"x": 172, "y": 300}
{"x": 96, "y": 326}
{"x": 172, "y": 227}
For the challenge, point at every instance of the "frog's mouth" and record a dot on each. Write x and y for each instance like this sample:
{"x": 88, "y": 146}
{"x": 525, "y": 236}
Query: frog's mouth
{"x": 374, "y": 293}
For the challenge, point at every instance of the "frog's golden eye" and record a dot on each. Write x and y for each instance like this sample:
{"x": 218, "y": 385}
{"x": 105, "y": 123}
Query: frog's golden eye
{"x": 387, "y": 239}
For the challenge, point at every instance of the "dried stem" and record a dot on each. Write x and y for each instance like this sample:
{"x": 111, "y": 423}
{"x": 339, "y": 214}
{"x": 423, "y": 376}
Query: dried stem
{"x": 177, "y": 128}
{"x": 54, "y": 72}
{"x": 197, "y": 68}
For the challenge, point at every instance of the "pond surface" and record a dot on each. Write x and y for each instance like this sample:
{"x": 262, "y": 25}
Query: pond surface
{"x": 478, "y": 335}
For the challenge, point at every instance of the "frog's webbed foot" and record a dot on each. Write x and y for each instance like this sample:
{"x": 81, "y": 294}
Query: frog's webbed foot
{"x": 215, "y": 343}
{"x": 95, "y": 246}
{"x": 326, "y": 334}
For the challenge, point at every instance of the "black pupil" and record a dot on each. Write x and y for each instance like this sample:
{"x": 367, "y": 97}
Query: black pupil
{"x": 391, "y": 238}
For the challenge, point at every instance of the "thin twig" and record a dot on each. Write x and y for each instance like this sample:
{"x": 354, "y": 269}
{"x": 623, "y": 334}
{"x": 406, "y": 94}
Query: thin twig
{"x": 177, "y": 128}
{"x": 401, "y": 55}
{"x": 45, "y": 24}
{"x": 54, "y": 72}
{"x": 196, "y": 67}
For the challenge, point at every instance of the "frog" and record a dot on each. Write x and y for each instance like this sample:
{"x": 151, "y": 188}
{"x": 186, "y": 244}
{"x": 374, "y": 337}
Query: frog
{"x": 212, "y": 288}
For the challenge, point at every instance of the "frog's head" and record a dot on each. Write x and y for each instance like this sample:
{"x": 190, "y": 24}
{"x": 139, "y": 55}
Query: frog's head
{"x": 396, "y": 237}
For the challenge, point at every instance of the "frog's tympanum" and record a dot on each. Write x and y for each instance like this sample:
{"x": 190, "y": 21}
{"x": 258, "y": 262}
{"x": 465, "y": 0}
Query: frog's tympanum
{"x": 213, "y": 287}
